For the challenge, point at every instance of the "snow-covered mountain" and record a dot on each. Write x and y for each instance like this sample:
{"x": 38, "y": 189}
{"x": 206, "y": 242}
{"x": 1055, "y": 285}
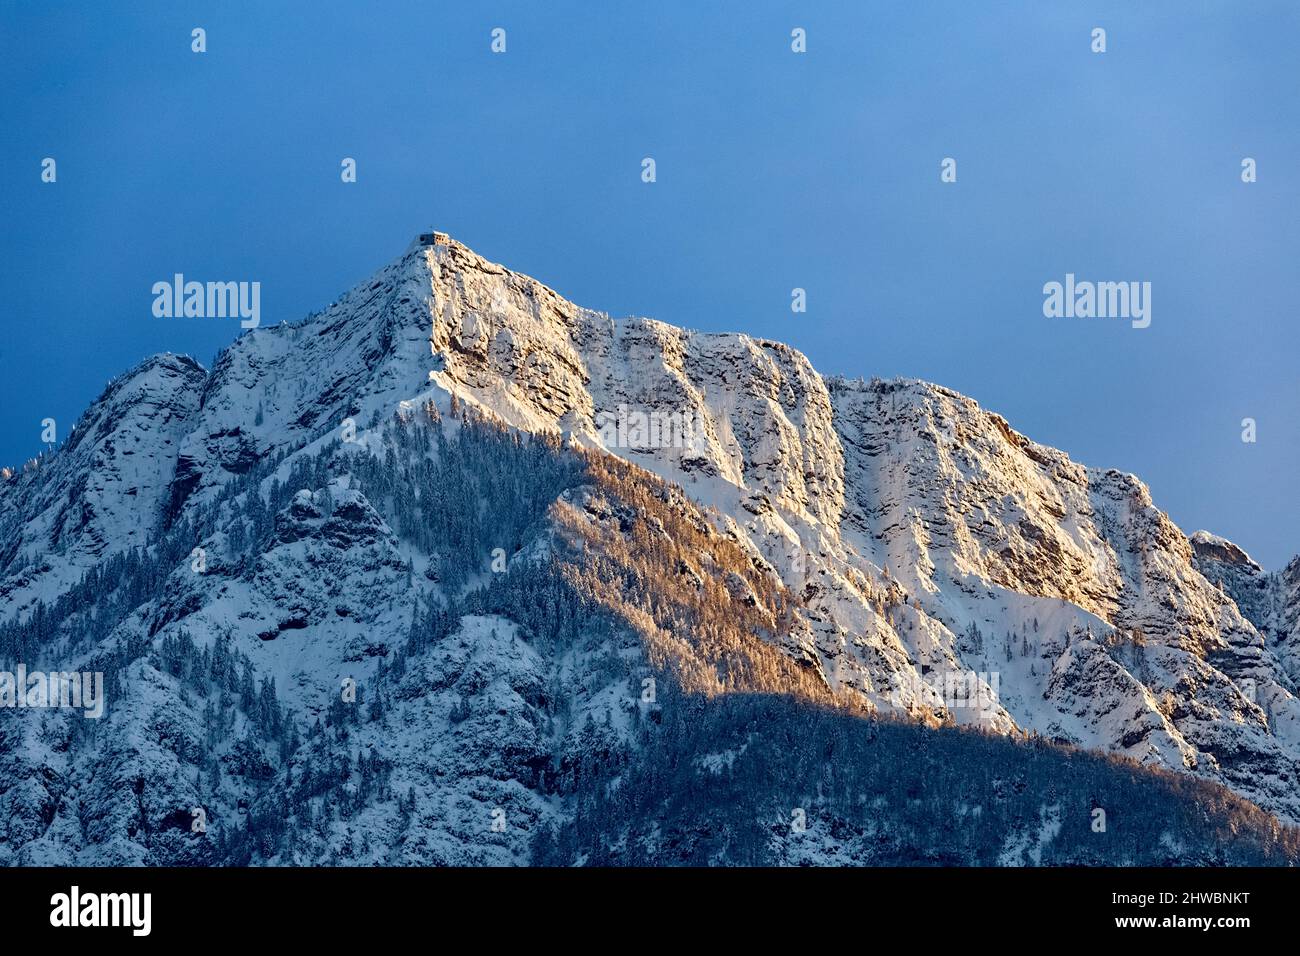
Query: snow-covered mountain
{"x": 366, "y": 497}
{"x": 1270, "y": 601}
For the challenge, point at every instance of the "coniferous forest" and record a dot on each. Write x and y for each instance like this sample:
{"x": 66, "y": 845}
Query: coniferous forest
{"x": 587, "y": 676}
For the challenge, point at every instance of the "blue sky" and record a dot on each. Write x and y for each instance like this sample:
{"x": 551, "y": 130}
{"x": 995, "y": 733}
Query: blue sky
{"x": 775, "y": 170}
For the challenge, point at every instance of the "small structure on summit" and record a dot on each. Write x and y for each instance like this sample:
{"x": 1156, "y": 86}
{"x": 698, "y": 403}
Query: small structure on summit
{"x": 434, "y": 239}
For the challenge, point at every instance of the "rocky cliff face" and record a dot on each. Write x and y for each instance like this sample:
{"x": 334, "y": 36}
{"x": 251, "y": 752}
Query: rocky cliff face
{"x": 933, "y": 564}
{"x": 106, "y": 488}
{"x": 1270, "y": 601}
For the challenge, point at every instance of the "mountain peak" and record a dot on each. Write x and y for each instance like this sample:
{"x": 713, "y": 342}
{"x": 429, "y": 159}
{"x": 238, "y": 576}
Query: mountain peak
{"x": 921, "y": 538}
{"x": 1213, "y": 547}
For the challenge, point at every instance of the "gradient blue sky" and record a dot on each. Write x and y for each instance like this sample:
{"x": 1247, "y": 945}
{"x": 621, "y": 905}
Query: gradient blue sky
{"x": 775, "y": 170}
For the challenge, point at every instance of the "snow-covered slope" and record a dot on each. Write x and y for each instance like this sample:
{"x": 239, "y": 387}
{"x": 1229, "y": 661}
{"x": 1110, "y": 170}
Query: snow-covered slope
{"x": 922, "y": 543}
{"x": 104, "y": 491}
